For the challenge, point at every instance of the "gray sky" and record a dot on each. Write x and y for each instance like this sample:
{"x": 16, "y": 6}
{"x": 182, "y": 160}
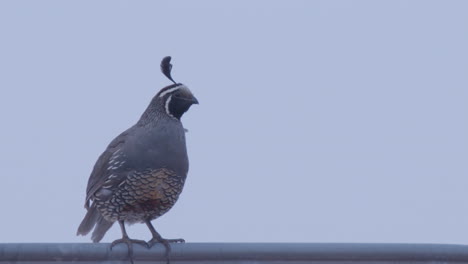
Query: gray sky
{"x": 319, "y": 121}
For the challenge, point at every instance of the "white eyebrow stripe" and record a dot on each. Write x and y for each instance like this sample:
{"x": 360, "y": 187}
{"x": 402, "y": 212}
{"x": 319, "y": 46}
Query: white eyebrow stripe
{"x": 171, "y": 90}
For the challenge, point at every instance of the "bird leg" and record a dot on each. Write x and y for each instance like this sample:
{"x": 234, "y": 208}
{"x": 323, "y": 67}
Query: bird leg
{"x": 157, "y": 238}
{"x": 125, "y": 239}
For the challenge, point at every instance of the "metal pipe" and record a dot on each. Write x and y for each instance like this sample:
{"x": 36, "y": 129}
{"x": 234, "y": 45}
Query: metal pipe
{"x": 236, "y": 253}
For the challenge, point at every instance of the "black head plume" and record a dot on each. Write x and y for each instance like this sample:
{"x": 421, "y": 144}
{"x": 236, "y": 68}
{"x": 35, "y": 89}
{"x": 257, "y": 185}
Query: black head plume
{"x": 166, "y": 67}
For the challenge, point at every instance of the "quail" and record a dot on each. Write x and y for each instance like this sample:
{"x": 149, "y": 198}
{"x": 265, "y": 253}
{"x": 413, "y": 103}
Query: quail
{"x": 141, "y": 174}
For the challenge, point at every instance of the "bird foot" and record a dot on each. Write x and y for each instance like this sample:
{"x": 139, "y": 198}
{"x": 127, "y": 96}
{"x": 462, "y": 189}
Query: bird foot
{"x": 166, "y": 243}
{"x": 129, "y": 243}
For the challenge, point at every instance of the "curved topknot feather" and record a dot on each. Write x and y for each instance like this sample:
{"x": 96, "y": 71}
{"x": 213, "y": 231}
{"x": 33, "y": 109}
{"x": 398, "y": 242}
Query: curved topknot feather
{"x": 166, "y": 67}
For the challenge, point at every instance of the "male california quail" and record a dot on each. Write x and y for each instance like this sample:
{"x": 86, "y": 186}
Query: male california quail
{"x": 142, "y": 172}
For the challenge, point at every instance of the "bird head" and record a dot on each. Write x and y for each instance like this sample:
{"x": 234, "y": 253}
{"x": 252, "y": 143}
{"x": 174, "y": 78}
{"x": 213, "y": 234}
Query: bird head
{"x": 176, "y": 99}
{"x": 171, "y": 101}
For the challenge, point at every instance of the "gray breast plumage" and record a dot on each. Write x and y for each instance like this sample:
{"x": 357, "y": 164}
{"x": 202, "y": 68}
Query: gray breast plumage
{"x": 146, "y": 174}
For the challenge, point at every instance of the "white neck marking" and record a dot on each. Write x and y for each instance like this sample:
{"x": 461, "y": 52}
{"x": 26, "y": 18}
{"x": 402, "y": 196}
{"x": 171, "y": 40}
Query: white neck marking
{"x": 167, "y": 106}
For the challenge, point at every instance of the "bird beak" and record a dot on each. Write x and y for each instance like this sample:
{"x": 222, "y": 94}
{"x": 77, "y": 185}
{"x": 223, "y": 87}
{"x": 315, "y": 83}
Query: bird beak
{"x": 194, "y": 100}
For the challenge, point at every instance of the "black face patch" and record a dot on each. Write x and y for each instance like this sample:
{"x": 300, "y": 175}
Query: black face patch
{"x": 179, "y": 105}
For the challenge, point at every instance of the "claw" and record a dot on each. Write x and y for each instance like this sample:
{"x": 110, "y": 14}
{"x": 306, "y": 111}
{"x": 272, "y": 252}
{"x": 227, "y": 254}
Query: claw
{"x": 163, "y": 241}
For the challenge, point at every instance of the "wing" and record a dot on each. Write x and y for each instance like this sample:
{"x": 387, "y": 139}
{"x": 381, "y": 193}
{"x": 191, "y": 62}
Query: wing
{"x": 104, "y": 169}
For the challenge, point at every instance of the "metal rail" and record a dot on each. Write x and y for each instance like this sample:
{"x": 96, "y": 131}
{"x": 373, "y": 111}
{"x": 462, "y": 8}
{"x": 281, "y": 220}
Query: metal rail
{"x": 245, "y": 253}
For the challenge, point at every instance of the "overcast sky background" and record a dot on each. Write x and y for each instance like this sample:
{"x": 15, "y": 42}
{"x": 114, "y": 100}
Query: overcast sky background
{"x": 319, "y": 121}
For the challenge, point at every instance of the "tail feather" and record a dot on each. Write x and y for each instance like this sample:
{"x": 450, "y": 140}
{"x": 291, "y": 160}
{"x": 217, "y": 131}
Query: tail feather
{"x": 102, "y": 226}
{"x": 90, "y": 219}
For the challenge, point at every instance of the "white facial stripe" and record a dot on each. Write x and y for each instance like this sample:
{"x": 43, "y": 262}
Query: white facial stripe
{"x": 167, "y": 105}
{"x": 171, "y": 90}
